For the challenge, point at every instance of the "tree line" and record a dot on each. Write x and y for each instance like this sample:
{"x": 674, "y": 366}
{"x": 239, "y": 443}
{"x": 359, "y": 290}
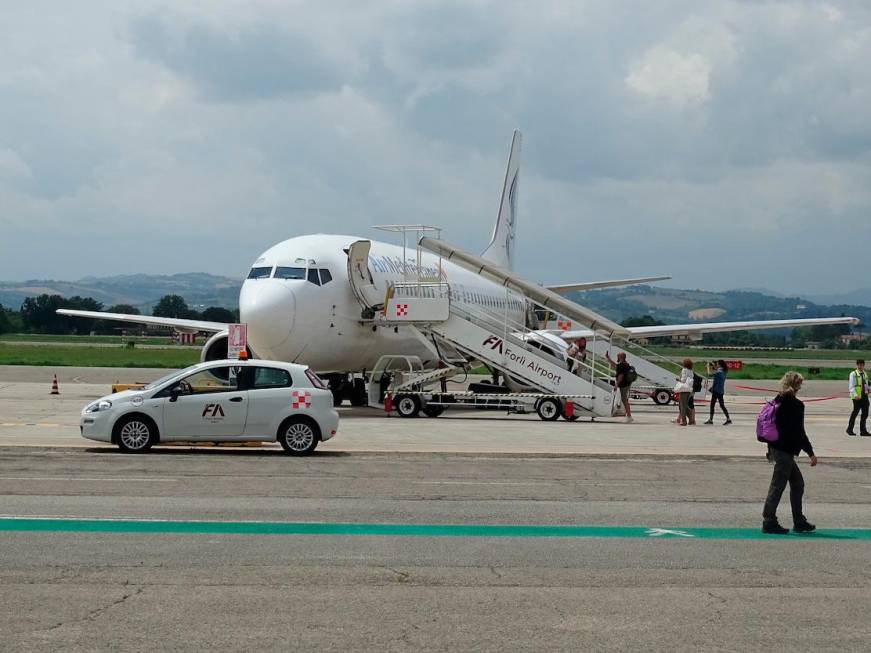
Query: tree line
{"x": 39, "y": 315}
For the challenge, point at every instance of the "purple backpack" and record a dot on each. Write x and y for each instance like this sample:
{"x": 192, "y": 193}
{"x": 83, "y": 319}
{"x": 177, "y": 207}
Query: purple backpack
{"x": 766, "y": 422}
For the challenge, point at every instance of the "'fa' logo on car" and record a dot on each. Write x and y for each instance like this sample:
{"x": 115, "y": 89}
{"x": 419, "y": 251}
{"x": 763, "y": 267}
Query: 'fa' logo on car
{"x": 493, "y": 343}
{"x": 213, "y": 410}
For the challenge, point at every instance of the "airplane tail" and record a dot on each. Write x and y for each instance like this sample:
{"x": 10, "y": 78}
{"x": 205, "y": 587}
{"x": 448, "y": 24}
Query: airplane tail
{"x": 501, "y": 248}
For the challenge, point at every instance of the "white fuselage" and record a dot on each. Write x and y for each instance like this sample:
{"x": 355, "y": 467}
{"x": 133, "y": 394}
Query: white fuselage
{"x": 297, "y": 320}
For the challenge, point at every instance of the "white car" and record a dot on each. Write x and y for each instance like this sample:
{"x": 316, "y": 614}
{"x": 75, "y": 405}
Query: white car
{"x": 219, "y": 401}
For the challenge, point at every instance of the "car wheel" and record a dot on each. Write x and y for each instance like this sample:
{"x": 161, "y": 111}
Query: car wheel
{"x": 299, "y": 437}
{"x": 407, "y": 405}
{"x": 549, "y": 409}
{"x": 433, "y": 411}
{"x": 661, "y": 397}
{"x": 135, "y": 434}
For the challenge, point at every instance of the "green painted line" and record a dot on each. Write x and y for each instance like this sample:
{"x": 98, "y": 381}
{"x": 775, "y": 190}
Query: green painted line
{"x": 407, "y": 530}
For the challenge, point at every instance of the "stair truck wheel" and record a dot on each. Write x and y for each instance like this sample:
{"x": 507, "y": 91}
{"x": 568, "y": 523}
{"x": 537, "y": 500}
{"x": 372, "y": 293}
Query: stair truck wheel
{"x": 662, "y": 397}
{"x": 433, "y": 411}
{"x": 407, "y": 405}
{"x": 549, "y": 409}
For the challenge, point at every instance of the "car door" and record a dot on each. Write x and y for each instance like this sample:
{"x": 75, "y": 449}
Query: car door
{"x": 209, "y": 406}
{"x": 270, "y": 396}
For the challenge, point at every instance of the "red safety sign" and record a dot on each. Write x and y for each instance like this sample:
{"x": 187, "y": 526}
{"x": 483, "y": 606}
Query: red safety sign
{"x": 564, "y": 325}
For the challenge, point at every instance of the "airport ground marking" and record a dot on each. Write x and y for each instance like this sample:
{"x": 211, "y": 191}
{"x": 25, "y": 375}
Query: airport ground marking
{"x": 192, "y": 527}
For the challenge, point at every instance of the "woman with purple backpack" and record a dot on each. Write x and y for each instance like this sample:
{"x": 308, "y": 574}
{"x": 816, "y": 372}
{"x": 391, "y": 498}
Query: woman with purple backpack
{"x": 790, "y": 441}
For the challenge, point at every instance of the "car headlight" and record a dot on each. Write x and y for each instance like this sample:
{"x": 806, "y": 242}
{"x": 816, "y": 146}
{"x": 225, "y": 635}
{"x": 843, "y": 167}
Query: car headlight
{"x": 99, "y": 406}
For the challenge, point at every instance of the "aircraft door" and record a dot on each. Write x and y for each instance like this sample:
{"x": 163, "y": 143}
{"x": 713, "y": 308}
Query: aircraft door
{"x": 360, "y": 277}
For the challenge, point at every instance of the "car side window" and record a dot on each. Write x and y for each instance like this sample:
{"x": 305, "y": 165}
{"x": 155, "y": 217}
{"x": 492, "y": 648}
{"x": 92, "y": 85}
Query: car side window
{"x": 208, "y": 381}
{"x": 270, "y": 377}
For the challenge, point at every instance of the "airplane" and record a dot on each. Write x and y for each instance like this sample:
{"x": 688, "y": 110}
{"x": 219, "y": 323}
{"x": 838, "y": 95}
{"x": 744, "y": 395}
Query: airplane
{"x": 313, "y": 299}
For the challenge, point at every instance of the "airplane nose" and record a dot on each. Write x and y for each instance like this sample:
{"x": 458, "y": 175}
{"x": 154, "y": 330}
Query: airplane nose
{"x": 268, "y": 307}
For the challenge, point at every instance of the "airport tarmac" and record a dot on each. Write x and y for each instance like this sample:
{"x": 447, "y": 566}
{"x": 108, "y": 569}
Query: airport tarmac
{"x": 475, "y": 531}
{"x": 252, "y": 550}
{"x": 30, "y": 416}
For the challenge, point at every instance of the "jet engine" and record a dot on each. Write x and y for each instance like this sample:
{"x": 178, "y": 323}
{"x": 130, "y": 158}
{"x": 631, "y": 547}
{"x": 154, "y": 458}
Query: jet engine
{"x": 215, "y": 348}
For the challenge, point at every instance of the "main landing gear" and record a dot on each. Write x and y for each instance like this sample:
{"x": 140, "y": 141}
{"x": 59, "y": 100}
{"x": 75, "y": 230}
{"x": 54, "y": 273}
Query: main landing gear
{"x": 347, "y": 388}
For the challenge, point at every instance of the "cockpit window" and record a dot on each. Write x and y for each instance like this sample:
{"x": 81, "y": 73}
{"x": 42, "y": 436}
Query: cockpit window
{"x": 289, "y": 273}
{"x": 313, "y": 276}
{"x": 326, "y": 277}
{"x": 260, "y": 273}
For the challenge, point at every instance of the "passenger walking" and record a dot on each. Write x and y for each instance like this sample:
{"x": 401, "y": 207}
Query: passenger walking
{"x": 684, "y": 390}
{"x": 624, "y": 380}
{"x": 718, "y": 390}
{"x": 859, "y": 394}
{"x": 791, "y": 440}
{"x": 577, "y": 354}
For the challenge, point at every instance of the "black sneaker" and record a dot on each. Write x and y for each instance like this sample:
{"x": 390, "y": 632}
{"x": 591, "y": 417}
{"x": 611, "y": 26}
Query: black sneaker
{"x": 865, "y": 434}
{"x": 804, "y": 527}
{"x": 774, "y": 528}
{"x": 727, "y": 422}
{"x": 710, "y": 421}
{"x": 851, "y": 432}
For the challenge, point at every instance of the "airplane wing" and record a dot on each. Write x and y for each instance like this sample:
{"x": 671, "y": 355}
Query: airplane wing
{"x": 712, "y": 327}
{"x": 171, "y": 322}
{"x": 593, "y": 285}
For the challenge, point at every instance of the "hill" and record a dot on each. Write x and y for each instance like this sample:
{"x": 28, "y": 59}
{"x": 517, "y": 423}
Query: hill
{"x": 140, "y": 290}
{"x": 670, "y": 305}
{"x": 675, "y": 306}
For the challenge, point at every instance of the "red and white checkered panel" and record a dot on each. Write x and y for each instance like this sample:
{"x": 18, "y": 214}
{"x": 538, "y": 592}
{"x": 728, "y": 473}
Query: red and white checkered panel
{"x": 301, "y": 399}
{"x": 563, "y": 325}
{"x": 401, "y": 310}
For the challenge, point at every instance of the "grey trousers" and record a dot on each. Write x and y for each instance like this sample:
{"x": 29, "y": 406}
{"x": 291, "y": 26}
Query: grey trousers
{"x": 785, "y": 471}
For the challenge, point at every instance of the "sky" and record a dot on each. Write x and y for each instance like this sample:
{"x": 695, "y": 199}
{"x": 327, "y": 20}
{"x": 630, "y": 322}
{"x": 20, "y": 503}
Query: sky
{"x": 727, "y": 144}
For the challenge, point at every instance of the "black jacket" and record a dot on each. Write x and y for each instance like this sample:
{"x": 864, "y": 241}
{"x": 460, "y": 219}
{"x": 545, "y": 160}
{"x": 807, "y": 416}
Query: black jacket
{"x": 790, "y": 426}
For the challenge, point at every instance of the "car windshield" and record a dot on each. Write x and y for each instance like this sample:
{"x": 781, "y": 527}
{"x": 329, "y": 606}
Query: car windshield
{"x": 169, "y": 376}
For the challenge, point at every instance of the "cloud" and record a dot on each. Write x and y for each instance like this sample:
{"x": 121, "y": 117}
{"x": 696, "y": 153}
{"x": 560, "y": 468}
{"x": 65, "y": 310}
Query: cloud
{"x": 668, "y": 75}
{"x": 251, "y": 62}
{"x": 167, "y": 138}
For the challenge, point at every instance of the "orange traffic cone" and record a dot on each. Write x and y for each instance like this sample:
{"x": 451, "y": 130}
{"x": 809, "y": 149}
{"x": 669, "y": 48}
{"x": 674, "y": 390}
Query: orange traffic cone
{"x": 54, "y": 388}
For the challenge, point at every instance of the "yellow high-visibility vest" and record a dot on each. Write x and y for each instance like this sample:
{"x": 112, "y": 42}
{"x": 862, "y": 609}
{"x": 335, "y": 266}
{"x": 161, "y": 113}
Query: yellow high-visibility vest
{"x": 861, "y": 383}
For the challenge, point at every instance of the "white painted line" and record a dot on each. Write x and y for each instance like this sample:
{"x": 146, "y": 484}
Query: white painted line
{"x": 87, "y": 479}
{"x": 483, "y": 482}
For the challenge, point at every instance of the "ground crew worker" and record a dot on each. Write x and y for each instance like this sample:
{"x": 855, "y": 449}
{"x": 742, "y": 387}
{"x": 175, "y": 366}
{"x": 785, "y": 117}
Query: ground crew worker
{"x": 859, "y": 394}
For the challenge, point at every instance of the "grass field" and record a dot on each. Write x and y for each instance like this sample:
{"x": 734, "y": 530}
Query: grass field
{"x": 108, "y": 340}
{"x": 68, "y": 356}
{"x": 744, "y": 354}
{"x": 753, "y": 371}
{"x": 64, "y": 354}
